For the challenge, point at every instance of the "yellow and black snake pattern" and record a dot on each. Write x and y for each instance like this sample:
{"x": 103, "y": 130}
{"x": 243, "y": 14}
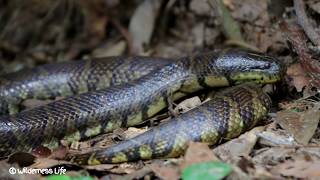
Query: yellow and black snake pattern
{"x": 120, "y": 92}
{"x": 227, "y": 115}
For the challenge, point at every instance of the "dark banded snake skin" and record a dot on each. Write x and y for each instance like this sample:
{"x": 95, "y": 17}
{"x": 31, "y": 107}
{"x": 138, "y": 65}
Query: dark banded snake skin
{"x": 127, "y": 102}
{"x": 227, "y": 115}
{"x": 71, "y": 78}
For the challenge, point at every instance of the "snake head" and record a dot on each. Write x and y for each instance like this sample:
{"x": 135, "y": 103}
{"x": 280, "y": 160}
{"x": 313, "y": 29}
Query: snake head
{"x": 242, "y": 66}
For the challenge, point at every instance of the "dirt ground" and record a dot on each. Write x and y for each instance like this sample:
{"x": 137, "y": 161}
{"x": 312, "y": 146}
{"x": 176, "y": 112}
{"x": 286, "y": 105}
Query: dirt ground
{"x": 284, "y": 146}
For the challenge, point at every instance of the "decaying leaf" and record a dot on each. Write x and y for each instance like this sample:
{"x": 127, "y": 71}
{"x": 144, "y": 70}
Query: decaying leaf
{"x": 102, "y": 167}
{"x": 42, "y": 163}
{"x": 187, "y": 105}
{"x": 132, "y": 131}
{"x": 242, "y": 146}
{"x": 196, "y": 153}
{"x": 302, "y": 125}
{"x": 276, "y": 137}
{"x": 299, "y": 169}
{"x": 272, "y": 156}
{"x": 297, "y": 77}
{"x": 22, "y": 159}
{"x": 165, "y": 172}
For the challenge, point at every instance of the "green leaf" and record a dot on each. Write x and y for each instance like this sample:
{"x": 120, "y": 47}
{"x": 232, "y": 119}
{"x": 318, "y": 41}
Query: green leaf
{"x": 206, "y": 171}
{"x": 64, "y": 177}
{"x": 58, "y": 177}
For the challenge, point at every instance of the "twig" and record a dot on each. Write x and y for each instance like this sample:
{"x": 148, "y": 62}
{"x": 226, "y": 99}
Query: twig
{"x": 304, "y": 22}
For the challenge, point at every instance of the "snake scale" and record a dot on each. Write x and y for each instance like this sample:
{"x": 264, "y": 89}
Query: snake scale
{"x": 123, "y": 92}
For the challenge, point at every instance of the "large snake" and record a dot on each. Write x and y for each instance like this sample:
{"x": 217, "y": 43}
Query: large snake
{"x": 227, "y": 115}
{"x": 133, "y": 96}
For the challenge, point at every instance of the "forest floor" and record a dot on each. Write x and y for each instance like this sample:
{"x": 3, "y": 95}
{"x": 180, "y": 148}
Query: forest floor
{"x": 285, "y": 146}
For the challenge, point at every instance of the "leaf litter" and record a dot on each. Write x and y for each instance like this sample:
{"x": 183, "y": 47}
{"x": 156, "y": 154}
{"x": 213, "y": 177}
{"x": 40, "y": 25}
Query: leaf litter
{"x": 285, "y": 146}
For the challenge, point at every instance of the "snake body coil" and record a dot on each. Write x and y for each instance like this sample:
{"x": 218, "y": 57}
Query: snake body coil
{"x": 71, "y": 78}
{"x": 125, "y": 104}
{"x": 227, "y": 115}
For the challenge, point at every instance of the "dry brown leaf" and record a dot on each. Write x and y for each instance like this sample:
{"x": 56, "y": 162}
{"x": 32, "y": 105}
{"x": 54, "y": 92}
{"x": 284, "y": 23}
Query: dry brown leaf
{"x": 22, "y": 159}
{"x": 298, "y": 76}
{"x": 274, "y": 136}
{"x": 299, "y": 169}
{"x": 242, "y": 146}
{"x": 59, "y": 153}
{"x": 102, "y": 167}
{"x": 197, "y": 153}
{"x": 132, "y": 132}
{"x": 42, "y": 163}
{"x": 164, "y": 172}
{"x": 187, "y": 105}
{"x": 302, "y": 125}
{"x": 296, "y": 35}
{"x": 127, "y": 168}
{"x": 272, "y": 155}
{"x": 139, "y": 174}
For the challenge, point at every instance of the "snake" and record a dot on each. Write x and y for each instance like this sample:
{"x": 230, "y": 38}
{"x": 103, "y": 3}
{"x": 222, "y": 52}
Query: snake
{"x": 71, "y": 78}
{"x": 125, "y": 91}
{"x": 227, "y": 115}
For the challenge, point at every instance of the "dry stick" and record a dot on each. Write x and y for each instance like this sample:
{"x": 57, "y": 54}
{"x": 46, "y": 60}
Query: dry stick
{"x": 305, "y": 23}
